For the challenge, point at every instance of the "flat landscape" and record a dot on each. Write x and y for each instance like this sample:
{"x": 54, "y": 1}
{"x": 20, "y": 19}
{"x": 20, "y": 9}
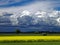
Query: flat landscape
{"x": 32, "y": 43}
{"x": 46, "y": 38}
{"x": 29, "y": 39}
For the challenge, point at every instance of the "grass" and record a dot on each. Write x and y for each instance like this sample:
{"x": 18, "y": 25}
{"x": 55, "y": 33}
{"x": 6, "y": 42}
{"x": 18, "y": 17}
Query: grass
{"x": 28, "y": 34}
{"x": 32, "y": 43}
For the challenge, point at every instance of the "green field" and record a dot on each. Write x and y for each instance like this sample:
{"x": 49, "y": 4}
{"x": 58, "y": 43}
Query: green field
{"x": 31, "y": 43}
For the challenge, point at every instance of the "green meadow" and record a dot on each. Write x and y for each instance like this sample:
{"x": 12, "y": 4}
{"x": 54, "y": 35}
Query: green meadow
{"x": 31, "y": 43}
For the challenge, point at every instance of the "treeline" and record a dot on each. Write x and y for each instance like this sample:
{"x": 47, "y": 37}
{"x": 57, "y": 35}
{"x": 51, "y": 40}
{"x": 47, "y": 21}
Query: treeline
{"x": 17, "y": 31}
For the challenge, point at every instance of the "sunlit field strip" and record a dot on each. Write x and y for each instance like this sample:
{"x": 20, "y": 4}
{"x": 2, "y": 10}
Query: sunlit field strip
{"x": 29, "y": 38}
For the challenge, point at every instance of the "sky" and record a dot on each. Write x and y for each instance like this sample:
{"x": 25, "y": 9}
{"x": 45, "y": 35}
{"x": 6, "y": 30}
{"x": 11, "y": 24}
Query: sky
{"x": 29, "y": 15}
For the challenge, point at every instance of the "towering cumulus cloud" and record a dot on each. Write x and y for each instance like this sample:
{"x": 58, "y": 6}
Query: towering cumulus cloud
{"x": 29, "y": 12}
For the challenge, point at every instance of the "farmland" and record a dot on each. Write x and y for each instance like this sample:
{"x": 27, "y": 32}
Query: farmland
{"x": 32, "y": 43}
{"x": 10, "y": 38}
{"x": 29, "y": 39}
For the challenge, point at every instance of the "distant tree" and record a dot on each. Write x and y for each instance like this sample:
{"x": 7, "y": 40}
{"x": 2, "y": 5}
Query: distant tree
{"x": 44, "y": 34}
{"x": 18, "y": 31}
{"x": 36, "y": 32}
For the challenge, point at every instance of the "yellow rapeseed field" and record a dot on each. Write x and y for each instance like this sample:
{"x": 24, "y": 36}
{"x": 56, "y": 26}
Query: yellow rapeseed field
{"x": 29, "y": 38}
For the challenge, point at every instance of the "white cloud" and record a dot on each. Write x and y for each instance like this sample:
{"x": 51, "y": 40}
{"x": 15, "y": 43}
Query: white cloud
{"x": 25, "y": 12}
{"x": 54, "y": 14}
{"x": 42, "y": 9}
{"x": 40, "y": 14}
